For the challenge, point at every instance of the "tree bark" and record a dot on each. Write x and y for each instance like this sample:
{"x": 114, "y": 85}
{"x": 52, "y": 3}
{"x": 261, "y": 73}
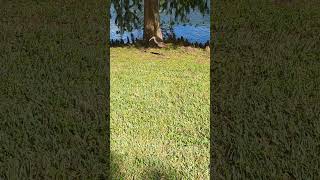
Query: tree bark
{"x": 152, "y": 21}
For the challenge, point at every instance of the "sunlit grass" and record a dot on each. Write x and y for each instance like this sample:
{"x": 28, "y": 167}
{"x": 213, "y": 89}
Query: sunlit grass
{"x": 160, "y": 113}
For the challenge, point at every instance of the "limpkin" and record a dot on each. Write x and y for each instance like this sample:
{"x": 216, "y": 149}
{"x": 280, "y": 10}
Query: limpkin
{"x": 159, "y": 44}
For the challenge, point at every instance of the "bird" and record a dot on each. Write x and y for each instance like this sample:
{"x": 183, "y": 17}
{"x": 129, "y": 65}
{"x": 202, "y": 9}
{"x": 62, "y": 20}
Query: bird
{"x": 159, "y": 44}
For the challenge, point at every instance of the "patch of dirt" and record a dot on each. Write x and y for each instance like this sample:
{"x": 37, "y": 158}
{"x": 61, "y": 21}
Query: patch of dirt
{"x": 189, "y": 49}
{"x": 207, "y": 49}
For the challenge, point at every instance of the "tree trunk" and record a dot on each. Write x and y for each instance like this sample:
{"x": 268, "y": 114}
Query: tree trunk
{"x": 152, "y": 21}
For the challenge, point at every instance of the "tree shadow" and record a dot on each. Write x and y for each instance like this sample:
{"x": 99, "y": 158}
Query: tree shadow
{"x": 116, "y": 161}
{"x": 174, "y": 44}
{"x": 159, "y": 172}
{"x": 154, "y": 171}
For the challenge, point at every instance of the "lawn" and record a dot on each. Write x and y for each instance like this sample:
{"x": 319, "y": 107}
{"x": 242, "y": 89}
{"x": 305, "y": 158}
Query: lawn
{"x": 52, "y": 90}
{"x": 160, "y": 113}
{"x": 265, "y": 77}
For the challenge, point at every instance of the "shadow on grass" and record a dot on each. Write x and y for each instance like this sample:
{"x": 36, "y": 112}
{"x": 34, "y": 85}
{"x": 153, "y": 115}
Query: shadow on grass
{"x": 153, "y": 171}
{"x": 174, "y": 44}
{"x": 116, "y": 162}
{"x": 159, "y": 172}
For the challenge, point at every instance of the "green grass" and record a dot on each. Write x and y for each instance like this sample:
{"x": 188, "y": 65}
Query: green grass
{"x": 266, "y": 86}
{"x": 52, "y": 90}
{"x": 160, "y": 113}
{"x": 52, "y": 95}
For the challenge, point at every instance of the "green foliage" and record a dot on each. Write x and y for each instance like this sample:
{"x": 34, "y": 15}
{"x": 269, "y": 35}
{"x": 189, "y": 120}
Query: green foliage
{"x": 180, "y": 9}
{"x": 129, "y": 13}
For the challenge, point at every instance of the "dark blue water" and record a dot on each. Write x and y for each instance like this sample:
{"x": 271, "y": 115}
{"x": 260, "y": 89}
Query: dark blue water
{"x": 196, "y": 30}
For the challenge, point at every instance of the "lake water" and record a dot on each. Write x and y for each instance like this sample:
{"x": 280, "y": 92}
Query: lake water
{"x": 196, "y": 30}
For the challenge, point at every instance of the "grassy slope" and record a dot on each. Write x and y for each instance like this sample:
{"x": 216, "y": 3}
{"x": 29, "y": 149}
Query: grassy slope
{"x": 52, "y": 90}
{"x": 269, "y": 86}
{"x": 160, "y": 113}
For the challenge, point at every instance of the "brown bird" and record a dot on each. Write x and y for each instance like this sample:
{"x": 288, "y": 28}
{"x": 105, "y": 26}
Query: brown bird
{"x": 159, "y": 44}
